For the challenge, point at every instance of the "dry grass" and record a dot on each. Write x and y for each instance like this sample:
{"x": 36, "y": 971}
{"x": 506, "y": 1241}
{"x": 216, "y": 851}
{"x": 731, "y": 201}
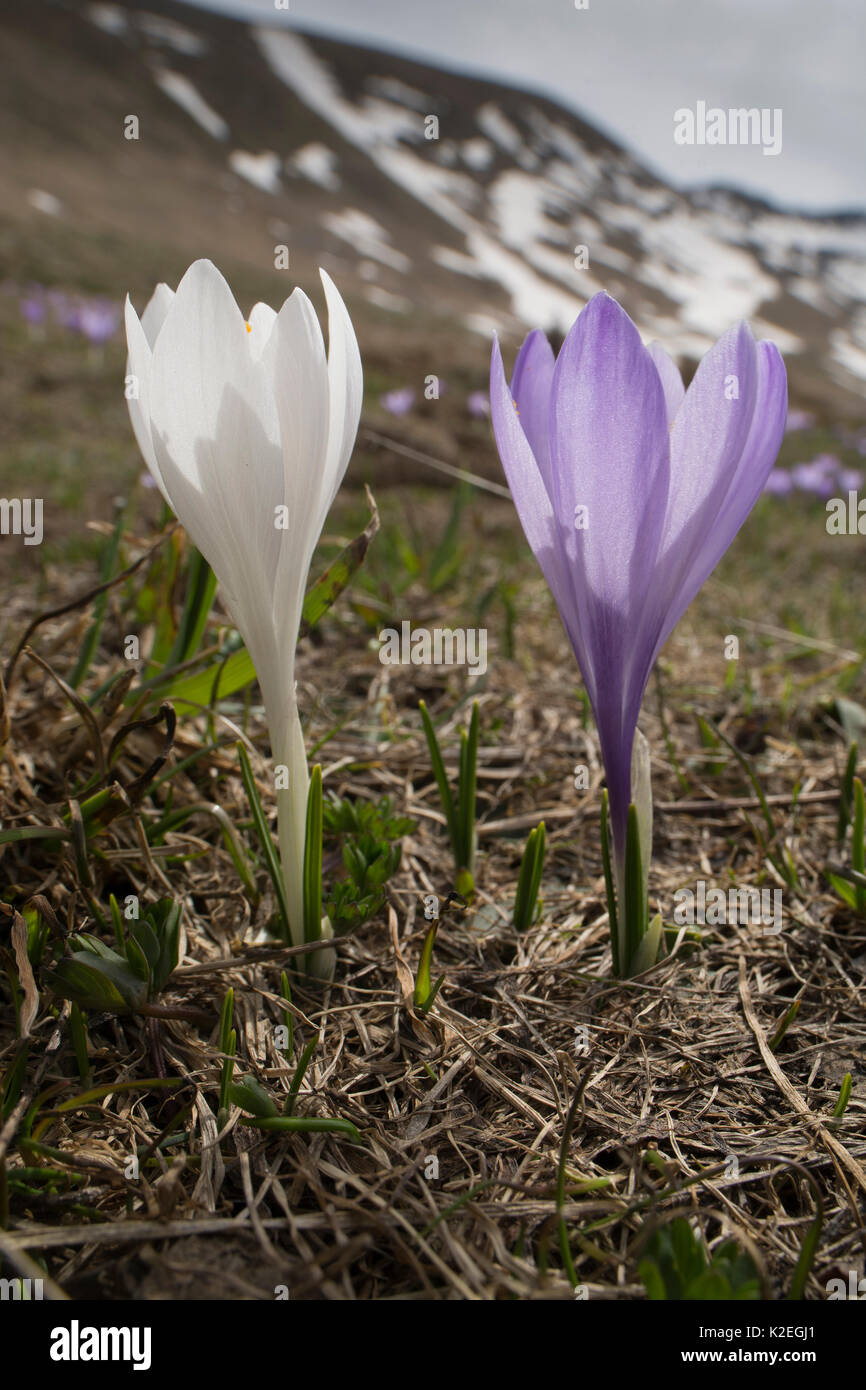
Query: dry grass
{"x": 452, "y": 1194}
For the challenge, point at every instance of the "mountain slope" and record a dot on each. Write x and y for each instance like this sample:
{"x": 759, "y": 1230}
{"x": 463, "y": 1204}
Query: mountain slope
{"x": 252, "y": 138}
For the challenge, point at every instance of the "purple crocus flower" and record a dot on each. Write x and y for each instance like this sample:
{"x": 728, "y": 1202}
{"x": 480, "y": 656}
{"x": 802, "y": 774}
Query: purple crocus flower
{"x": 478, "y": 404}
{"x": 630, "y": 489}
{"x": 398, "y": 402}
{"x": 850, "y": 479}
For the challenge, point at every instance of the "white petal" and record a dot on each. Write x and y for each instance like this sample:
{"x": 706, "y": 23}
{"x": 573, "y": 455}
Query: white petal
{"x": 154, "y": 315}
{"x": 346, "y": 387}
{"x": 138, "y": 372}
{"x": 300, "y": 384}
{"x": 215, "y": 434}
{"x": 259, "y": 327}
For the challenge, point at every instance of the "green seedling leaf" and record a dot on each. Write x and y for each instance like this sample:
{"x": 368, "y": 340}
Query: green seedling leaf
{"x": 844, "y": 1097}
{"x": 608, "y": 883}
{"x": 299, "y": 1073}
{"x": 251, "y": 1096}
{"x": 846, "y": 794}
{"x": 529, "y": 881}
{"x": 272, "y": 859}
{"x": 784, "y": 1024}
{"x": 96, "y": 984}
{"x": 293, "y": 1124}
{"x": 441, "y": 779}
{"x": 647, "y": 952}
{"x": 635, "y": 900}
{"x": 425, "y": 992}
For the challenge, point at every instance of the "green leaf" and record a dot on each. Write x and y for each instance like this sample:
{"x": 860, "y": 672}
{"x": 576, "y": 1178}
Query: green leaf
{"x": 96, "y": 984}
{"x": 467, "y": 792}
{"x": 635, "y": 901}
{"x": 423, "y": 987}
{"x": 846, "y": 794}
{"x": 529, "y": 881}
{"x": 293, "y": 1124}
{"x": 250, "y": 1095}
{"x": 844, "y": 1097}
{"x": 441, "y": 779}
{"x": 313, "y": 859}
{"x": 608, "y": 883}
{"x": 858, "y": 846}
{"x": 648, "y": 950}
{"x": 272, "y": 859}
{"x": 299, "y": 1074}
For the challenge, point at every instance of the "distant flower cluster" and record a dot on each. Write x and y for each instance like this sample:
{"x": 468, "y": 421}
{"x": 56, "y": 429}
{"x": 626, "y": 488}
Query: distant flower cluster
{"x": 94, "y": 317}
{"x": 826, "y": 476}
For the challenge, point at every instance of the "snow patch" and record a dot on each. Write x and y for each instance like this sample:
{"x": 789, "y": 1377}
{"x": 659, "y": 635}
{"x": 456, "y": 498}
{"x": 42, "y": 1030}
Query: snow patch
{"x": 316, "y": 163}
{"x": 262, "y": 170}
{"x": 383, "y": 299}
{"x": 181, "y": 90}
{"x": 111, "y": 19}
{"x": 477, "y": 153}
{"x": 366, "y": 236}
{"x": 392, "y": 89}
{"x": 44, "y": 202}
{"x": 172, "y": 35}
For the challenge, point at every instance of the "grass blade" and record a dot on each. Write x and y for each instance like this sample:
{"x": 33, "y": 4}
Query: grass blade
{"x": 272, "y": 859}
{"x": 441, "y": 779}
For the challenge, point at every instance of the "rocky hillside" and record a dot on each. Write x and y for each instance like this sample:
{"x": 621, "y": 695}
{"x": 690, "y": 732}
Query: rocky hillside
{"x": 439, "y": 202}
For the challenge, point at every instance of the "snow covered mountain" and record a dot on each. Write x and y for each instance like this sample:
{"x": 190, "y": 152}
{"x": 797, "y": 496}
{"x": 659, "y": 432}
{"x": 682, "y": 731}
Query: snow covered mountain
{"x": 428, "y": 193}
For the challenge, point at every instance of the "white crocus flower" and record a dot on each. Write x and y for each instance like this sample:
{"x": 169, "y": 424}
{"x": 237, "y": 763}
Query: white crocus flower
{"x": 247, "y": 428}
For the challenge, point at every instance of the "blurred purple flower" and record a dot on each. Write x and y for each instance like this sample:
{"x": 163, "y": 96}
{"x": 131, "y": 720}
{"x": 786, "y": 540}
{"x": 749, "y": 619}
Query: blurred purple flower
{"x": 398, "y": 402}
{"x": 33, "y": 308}
{"x": 478, "y": 404}
{"x": 779, "y": 482}
{"x": 630, "y": 490}
{"x": 850, "y": 479}
{"x": 799, "y": 420}
{"x": 814, "y": 477}
{"x": 98, "y": 320}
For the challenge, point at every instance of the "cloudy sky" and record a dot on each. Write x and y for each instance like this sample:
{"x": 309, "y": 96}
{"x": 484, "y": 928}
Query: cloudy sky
{"x": 628, "y": 65}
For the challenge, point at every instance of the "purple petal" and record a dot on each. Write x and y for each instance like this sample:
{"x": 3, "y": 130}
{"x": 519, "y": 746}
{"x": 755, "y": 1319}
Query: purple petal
{"x": 531, "y": 498}
{"x": 672, "y": 382}
{"x": 609, "y": 454}
{"x": 746, "y": 477}
{"x": 531, "y": 385}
